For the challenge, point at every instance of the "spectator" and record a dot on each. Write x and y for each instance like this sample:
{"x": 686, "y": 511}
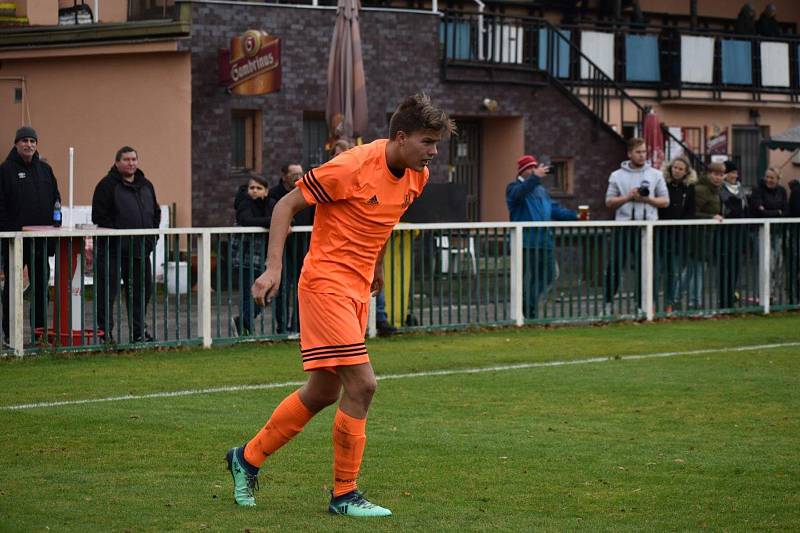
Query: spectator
{"x": 732, "y": 193}
{"x": 28, "y": 193}
{"x": 707, "y": 193}
{"x": 736, "y": 238}
{"x": 768, "y": 25}
{"x": 793, "y": 244}
{"x": 125, "y": 199}
{"x": 746, "y": 21}
{"x": 672, "y": 246}
{"x": 794, "y": 198}
{"x": 528, "y": 200}
{"x": 635, "y": 192}
{"x": 769, "y": 200}
{"x": 253, "y": 208}
{"x": 728, "y": 240}
{"x": 286, "y": 318}
{"x": 340, "y": 146}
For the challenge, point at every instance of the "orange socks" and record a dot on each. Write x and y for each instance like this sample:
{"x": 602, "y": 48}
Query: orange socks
{"x": 286, "y": 421}
{"x": 289, "y": 418}
{"x": 349, "y": 439}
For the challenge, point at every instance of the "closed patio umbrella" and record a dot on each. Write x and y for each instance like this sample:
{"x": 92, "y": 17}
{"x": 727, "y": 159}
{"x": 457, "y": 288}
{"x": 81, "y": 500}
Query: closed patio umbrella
{"x": 346, "y": 107}
{"x": 653, "y": 139}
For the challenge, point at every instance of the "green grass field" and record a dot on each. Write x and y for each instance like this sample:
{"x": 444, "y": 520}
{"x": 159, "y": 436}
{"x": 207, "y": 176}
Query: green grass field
{"x": 681, "y": 442}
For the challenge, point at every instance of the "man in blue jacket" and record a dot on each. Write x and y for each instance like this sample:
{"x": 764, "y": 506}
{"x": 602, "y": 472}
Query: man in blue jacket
{"x": 528, "y": 200}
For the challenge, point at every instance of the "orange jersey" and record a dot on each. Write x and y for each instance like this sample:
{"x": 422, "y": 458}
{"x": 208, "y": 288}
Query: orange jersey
{"x": 359, "y": 201}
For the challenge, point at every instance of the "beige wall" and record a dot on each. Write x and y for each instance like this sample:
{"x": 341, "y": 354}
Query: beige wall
{"x": 788, "y": 10}
{"x": 45, "y": 12}
{"x": 97, "y": 104}
{"x": 777, "y": 119}
{"x": 502, "y": 143}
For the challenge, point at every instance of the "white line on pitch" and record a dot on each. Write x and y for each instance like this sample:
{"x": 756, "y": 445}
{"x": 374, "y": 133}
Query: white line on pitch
{"x": 498, "y": 368}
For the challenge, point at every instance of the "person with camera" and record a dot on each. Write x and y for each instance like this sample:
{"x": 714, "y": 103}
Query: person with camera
{"x": 636, "y": 191}
{"x": 528, "y": 200}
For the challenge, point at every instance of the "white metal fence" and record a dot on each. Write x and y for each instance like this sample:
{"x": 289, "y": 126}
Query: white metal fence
{"x": 437, "y": 276}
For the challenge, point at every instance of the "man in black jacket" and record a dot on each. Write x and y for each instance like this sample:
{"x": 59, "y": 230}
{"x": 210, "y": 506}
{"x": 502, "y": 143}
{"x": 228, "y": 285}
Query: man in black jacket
{"x": 295, "y": 252}
{"x": 28, "y": 192}
{"x": 125, "y": 199}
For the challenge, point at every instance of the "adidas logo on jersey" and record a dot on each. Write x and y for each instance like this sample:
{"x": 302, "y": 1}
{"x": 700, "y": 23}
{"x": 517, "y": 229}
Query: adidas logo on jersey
{"x": 373, "y": 200}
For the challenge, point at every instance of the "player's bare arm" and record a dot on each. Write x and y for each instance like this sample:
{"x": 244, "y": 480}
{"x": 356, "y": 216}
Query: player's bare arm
{"x": 378, "y": 278}
{"x": 267, "y": 284}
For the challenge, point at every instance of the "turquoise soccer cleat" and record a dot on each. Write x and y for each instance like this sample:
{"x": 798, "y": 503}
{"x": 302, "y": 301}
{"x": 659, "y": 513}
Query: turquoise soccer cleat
{"x": 245, "y": 480}
{"x": 354, "y": 504}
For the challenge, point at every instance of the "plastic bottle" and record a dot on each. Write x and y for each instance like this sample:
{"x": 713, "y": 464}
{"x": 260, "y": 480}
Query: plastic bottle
{"x": 57, "y": 214}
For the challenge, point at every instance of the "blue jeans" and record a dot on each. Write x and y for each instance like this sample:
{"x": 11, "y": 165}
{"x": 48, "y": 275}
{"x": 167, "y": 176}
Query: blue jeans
{"x": 380, "y": 307}
{"x": 539, "y": 273}
{"x": 249, "y": 312}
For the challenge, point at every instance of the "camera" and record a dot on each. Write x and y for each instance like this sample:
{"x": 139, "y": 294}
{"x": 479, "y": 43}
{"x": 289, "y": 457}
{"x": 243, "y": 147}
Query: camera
{"x": 545, "y": 161}
{"x": 644, "y": 189}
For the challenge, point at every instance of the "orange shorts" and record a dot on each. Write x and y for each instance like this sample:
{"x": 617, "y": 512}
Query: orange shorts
{"x": 332, "y": 329}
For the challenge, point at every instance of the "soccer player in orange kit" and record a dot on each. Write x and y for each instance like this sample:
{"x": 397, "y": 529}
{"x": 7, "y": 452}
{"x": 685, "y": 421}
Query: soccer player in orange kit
{"x": 360, "y": 196}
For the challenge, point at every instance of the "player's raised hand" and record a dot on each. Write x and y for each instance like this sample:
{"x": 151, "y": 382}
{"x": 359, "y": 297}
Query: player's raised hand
{"x": 266, "y": 287}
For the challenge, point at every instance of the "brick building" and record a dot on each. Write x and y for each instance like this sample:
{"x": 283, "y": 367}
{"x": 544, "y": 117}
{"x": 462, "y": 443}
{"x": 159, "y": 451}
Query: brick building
{"x": 533, "y": 117}
{"x": 146, "y": 74}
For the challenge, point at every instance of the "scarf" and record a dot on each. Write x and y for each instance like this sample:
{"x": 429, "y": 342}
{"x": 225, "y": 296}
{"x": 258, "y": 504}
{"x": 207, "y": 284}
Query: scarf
{"x": 734, "y": 189}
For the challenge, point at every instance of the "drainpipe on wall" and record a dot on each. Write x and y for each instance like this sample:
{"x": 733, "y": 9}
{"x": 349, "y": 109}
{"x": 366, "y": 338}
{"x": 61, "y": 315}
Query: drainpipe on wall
{"x": 96, "y": 9}
{"x": 481, "y": 7}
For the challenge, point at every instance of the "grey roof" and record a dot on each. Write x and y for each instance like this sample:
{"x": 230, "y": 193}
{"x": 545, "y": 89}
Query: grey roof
{"x": 786, "y": 140}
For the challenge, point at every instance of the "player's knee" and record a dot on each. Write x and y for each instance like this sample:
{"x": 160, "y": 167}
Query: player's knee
{"x": 367, "y": 388}
{"x": 329, "y": 397}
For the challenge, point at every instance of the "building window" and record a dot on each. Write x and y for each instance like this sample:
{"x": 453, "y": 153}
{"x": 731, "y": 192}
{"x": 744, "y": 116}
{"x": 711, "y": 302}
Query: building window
{"x": 631, "y": 130}
{"x": 315, "y": 135}
{"x": 560, "y": 178}
{"x": 246, "y": 140}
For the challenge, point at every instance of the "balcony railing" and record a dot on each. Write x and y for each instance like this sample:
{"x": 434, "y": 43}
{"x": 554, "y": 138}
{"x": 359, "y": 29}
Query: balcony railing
{"x": 661, "y": 59}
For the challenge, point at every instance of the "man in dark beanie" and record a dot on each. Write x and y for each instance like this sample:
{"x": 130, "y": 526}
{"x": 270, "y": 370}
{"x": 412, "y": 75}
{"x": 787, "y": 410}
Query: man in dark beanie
{"x": 28, "y": 193}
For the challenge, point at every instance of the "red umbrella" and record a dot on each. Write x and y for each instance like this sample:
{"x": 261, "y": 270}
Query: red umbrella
{"x": 653, "y": 139}
{"x": 346, "y": 108}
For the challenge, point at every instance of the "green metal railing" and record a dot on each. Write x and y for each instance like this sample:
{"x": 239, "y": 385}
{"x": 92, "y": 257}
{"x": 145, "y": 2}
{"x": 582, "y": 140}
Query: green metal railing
{"x": 192, "y": 286}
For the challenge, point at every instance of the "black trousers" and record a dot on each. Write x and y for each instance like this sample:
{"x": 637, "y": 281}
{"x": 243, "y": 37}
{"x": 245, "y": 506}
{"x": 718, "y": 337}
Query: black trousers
{"x": 286, "y": 306}
{"x": 624, "y": 250}
{"x": 34, "y": 256}
{"x": 113, "y": 269}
